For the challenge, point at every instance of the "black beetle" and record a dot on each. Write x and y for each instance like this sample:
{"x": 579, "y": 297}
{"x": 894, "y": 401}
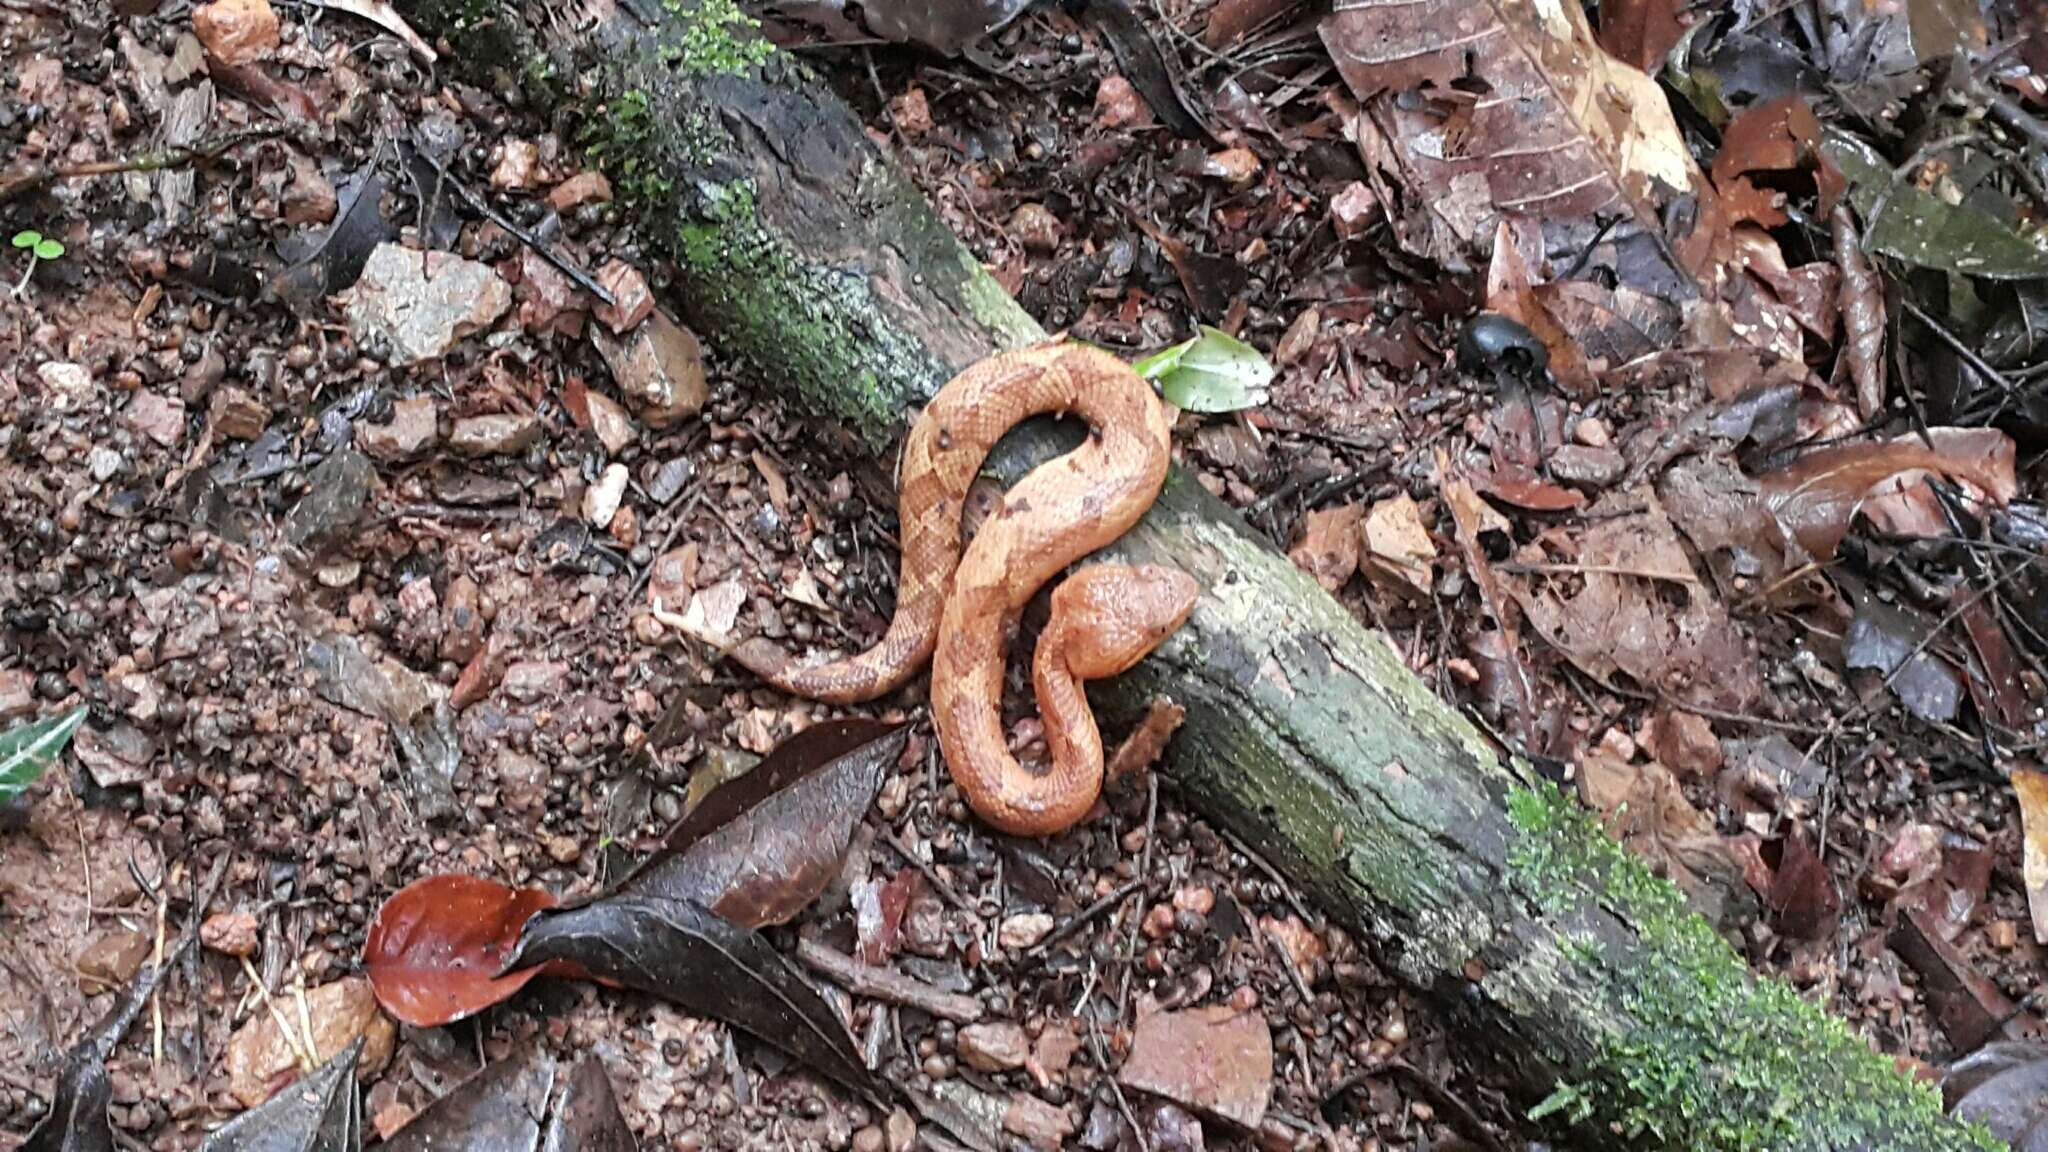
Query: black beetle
{"x": 1502, "y": 347}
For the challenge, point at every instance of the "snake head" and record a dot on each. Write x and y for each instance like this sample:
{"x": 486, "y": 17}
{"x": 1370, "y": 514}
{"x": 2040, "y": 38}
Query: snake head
{"x": 1108, "y": 616}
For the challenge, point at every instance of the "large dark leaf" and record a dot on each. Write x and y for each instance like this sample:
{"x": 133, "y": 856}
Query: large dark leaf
{"x": 325, "y": 262}
{"x": 680, "y": 951}
{"x": 1892, "y": 639}
{"x": 524, "y": 1104}
{"x": 322, "y": 1113}
{"x": 1977, "y": 233}
{"x": 759, "y": 849}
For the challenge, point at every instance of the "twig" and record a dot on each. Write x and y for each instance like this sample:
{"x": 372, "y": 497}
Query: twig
{"x": 1115, "y": 1090}
{"x": 1834, "y": 727}
{"x": 1037, "y": 953}
{"x": 1123, "y": 995}
{"x": 1963, "y": 351}
{"x": 945, "y": 890}
{"x": 284, "y": 1026}
{"x": 887, "y": 984}
{"x": 156, "y": 1001}
{"x": 546, "y": 252}
{"x": 1286, "y": 890}
{"x": 85, "y": 862}
{"x": 157, "y": 161}
{"x": 1286, "y": 959}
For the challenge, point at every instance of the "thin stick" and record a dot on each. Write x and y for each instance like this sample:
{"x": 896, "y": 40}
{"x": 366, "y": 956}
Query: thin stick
{"x": 1039, "y": 951}
{"x": 145, "y": 162}
{"x": 284, "y": 1026}
{"x": 887, "y": 984}
{"x": 1963, "y": 351}
{"x": 1116, "y": 1090}
{"x": 85, "y": 860}
{"x": 156, "y": 1002}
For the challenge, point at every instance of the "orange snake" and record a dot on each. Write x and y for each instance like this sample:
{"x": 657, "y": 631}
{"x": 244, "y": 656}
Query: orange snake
{"x": 954, "y": 608}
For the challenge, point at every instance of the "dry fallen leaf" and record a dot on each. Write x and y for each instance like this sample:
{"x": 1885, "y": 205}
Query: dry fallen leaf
{"x": 1142, "y": 748}
{"x": 1329, "y": 543}
{"x": 236, "y": 32}
{"x": 1641, "y": 32}
{"x": 261, "y": 1059}
{"x": 2031, "y": 787}
{"x": 1214, "y": 1060}
{"x": 1629, "y": 602}
{"x": 1510, "y": 291}
{"x": 711, "y": 613}
{"x": 1398, "y": 548}
{"x": 1862, "y": 307}
{"x": 1500, "y": 107}
{"x": 1643, "y": 806}
{"x": 1814, "y": 499}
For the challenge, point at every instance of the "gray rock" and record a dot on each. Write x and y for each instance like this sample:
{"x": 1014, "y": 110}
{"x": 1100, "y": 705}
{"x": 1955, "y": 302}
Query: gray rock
{"x": 418, "y": 304}
{"x": 1586, "y": 466}
{"x": 337, "y": 489}
{"x": 499, "y": 434}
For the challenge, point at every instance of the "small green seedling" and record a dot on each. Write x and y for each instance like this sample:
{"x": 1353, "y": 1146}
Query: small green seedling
{"x": 39, "y": 248}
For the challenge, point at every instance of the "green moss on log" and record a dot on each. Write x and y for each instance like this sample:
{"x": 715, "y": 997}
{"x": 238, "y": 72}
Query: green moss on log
{"x": 1710, "y": 1056}
{"x": 713, "y": 37}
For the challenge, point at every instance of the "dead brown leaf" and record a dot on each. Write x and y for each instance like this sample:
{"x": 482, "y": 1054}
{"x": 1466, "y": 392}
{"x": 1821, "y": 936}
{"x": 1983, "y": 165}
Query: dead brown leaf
{"x": 1510, "y": 292}
{"x": 1564, "y": 132}
{"x": 1640, "y": 32}
{"x": 1398, "y": 551}
{"x": 1862, "y": 308}
{"x": 1214, "y": 1060}
{"x": 1774, "y": 140}
{"x": 1329, "y": 544}
{"x": 262, "y": 1057}
{"x": 1815, "y": 499}
{"x": 1800, "y": 895}
{"x": 1629, "y": 602}
{"x": 1644, "y": 808}
{"x": 2031, "y": 788}
{"x": 1141, "y": 749}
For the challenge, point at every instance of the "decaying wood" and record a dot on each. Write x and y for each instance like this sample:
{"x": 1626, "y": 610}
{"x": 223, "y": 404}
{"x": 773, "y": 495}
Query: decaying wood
{"x": 1595, "y": 996}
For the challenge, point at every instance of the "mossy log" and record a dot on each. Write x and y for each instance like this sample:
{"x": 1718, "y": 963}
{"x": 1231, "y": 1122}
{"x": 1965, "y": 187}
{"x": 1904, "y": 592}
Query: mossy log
{"x": 1617, "y": 1017}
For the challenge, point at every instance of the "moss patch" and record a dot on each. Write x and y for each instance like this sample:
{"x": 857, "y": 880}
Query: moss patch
{"x": 1715, "y": 1058}
{"x": 713, "y": 37}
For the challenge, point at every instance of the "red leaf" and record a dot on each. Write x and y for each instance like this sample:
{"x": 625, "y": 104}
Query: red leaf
{"x": 1529, "y": 492}
{"x": 434, "y": 950}
{"x": 1782, "y": 136}
{"x": 1642, "y": 32}
{"x": 1801, "y": 895}
{"x": 1816, "y": 497}
{"x": 1511, "y": 292}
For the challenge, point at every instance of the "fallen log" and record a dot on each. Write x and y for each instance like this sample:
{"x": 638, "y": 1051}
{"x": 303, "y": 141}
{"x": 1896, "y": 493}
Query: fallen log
{"x": 1617, "y": 1016}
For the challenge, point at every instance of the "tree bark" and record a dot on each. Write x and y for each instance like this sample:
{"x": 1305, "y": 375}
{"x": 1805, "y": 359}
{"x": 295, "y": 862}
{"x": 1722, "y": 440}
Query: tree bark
{"x": 1595, "y": 996}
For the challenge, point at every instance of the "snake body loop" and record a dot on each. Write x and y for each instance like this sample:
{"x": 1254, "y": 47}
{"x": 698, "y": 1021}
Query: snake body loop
{"x": 1105, "y": 618}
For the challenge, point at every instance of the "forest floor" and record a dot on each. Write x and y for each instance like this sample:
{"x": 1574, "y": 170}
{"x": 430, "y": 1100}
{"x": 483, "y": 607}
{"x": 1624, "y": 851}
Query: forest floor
{"x": 344, "y": 621}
